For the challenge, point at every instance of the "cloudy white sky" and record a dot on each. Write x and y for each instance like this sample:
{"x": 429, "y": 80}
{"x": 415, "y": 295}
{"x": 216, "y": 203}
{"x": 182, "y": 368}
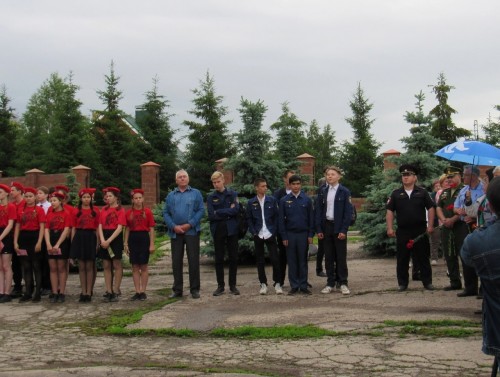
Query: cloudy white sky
{"x": 309, "y": 53}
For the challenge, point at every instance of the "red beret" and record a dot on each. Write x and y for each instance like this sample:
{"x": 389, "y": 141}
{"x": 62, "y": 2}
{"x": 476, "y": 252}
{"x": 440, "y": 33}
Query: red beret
{"x": 30, "y": 189}
{"x": 62, "y": 188}
{"x": 84, "y": 191}
{"x": 136, "y": 191}
{"x": 5, "y": 188}
{"x": 18, "y": 186}
{"x": 114, "y": 190}
{"x": 58, "y": 195}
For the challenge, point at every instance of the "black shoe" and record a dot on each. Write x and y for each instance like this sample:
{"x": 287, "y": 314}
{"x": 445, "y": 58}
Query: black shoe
{"x": 292, "y": 291}
{"x": 143, "y": 296}
{"x": 135, "y": 297}
{"x": 429, "y": 287}
{"x": 113, "y": 297}
{"x": 195, "y": 294}
{"x": 321, "y": 274}
{"x": 82, "y": 298}
{"x": 479, "y": 296}
{"x": 88, "y": 298}
{"x": 16, "y": 292}
{"x": 61, "y": 298}
{"x": 234, "y": 290}
{"x": 5, "y": 298}
{"x": 402, "y": 288}
{"x": 106, "y": 296}
{"x": 219, "y": 291}
{"x": 53, "y": 298}
{"x": 452, "y": 288}
{"x": 175, "y": 295}
{"x": 25, "y": 298}
{"x": 466, "y": 293}
{"x": 45, "y": 292}
{"x": 306, "y": 291}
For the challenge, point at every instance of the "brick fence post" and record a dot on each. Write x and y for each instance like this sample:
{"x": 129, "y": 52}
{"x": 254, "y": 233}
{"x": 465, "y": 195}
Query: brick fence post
{"x": 150, "y": 183}
{"x": 306, "y": 168}
{"x": 388, "y": 164}
{"x": 32, "y": 177}
{"x": 82, "y": 174}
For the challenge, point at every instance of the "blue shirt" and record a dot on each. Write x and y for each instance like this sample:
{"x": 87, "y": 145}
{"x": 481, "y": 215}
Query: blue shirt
{"x": 296, "y": 215}
{"x": 184, "y": 207}
{"x": 481, "y": 250}
{"x": 474, "y": 193}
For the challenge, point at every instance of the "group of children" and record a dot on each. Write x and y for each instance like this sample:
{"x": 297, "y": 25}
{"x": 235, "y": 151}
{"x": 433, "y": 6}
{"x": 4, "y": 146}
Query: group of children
{"x": 35, "y": 234}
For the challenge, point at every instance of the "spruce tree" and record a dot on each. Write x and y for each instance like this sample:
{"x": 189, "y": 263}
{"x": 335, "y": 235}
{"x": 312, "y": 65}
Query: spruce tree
{"x": 117, "y": 147}
{"x": 290, "y": 139}
{"x": 160, "y": 147}
{"x": 8, "y": 134}
{"x": 209, "y": 138}
{"x": 492, "y": 130}
{"x": 359, "y": 158}
{"x": 442, "y": 126}
{"x": 253, "y": 159}
{"x": 323, "y": 146}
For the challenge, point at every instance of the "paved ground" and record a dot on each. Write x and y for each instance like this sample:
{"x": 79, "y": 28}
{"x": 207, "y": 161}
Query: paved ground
{"x": 36, "y": 340}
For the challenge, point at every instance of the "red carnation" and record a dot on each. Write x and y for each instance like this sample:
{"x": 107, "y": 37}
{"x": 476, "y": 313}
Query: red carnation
{"x": 453, "y": 185}
{"x": 410, "y": 243}
{"x": 450, "y": 207}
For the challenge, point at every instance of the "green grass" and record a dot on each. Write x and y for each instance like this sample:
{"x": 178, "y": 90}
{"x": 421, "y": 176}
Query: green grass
{"x": 276, "y": 332}
{"x": 435, "y": 328}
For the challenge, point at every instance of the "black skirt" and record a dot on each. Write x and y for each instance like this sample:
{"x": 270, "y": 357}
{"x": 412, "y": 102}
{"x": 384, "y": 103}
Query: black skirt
{"x": 138, "y": 246}
{"x": 84, "y": 245}
{"x": 27, "y": 240}
{"x": 116, "y": 246}
{"x": 54, "y": 237}
{"x": 8, "y": 242}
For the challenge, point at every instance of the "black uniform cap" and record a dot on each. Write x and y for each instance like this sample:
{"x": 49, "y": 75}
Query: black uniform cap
{"x": 408, "y": 168}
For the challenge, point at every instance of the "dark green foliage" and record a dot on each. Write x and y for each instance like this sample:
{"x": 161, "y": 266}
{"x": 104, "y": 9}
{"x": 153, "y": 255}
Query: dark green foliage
{"x": 154, "y": 123}
{"x": 290, "y": 139}
{"x": 321, "y": 145}
{"x": 56, "y": 134}
{"x": 253, "y": 159}
{"x": 8, "y": 134}
{"x": 359, "y": 159}
{"x": 442, "y": 126}
{"x": 492, "y": 131}
{"x": 209, "y": 139}
{"x": 118, "y": 149}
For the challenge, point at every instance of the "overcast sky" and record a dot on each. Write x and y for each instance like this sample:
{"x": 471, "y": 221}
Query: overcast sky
{"x": 310, "y": 53}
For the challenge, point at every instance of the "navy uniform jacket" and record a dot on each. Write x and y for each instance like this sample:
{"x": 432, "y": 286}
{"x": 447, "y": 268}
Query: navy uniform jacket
{"x": 296, "y": 215}
{"x": 342, "y": 209}
{"x": 254, "y": 215}
{"x": 219, "y": 209}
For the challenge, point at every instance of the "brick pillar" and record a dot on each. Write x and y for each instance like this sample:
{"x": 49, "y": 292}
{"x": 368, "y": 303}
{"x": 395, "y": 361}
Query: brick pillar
{"x": 306, "y": 168}
{"x": 150, "y": 183}
{"x": 82, "y": 174}
{"x": 32, "y": 177}
{"x": 228, "y": 174}
{"x": 388, "y": 164}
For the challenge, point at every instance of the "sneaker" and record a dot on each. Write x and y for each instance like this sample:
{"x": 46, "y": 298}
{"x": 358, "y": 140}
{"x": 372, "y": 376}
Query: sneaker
{"x": 278, "y": 289}
{"x": 53, "y": 298}
{"x": 263, "y": 289}
{"x": 61, "y": 298}
{"x": 345, "y": 290}
{"x": 219, "y": 291}
{"x": 195, "y": 294}
{"x": 234, "y": 290}
{"x": 136, "y": 297}
{"x": 45, "y": 292}
{"x": 327, "y": 289}
{"x": 434, "y": 262}
{"x": 143, "y": 296}
{"x": 82, "y": 298}
{"x": 6, "y": 298}
{"x": 25, "y": 298}
{"x": 113, "y": 297}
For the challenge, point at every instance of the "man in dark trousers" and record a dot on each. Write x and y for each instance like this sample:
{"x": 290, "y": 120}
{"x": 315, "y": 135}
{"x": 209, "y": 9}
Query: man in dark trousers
{"x": 409, "y": 204}
{"x": 263, "y": 216}
{"x": 333, "y": 214}
{"x": 278, "y": 195}
{"x": 223, "y": 209}
{"x": 296, "y": 226}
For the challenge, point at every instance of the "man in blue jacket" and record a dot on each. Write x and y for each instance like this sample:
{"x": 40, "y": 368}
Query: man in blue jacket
{"x": 223, "y": 208}
{"x": 296, "y": 226}
{"x": 481, "y": 250}
{"x": 262, "y": 216}
{"x": 333, "y": 214}
{"x": 183, "y": 212}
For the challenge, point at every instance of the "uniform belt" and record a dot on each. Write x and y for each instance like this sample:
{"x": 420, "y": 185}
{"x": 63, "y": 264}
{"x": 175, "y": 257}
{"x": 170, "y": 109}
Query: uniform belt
{"x": 330, "y": 221}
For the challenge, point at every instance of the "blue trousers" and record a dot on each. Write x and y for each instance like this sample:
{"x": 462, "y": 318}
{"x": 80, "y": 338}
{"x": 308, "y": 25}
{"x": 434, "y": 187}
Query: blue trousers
{"x": 296, "y": 255}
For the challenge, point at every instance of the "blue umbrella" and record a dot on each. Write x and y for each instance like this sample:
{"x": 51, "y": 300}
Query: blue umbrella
{"x": 471, "y": 152}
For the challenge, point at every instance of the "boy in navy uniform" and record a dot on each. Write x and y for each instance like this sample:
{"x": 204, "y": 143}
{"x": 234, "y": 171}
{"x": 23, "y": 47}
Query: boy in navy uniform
{"x": 296, "y": 227}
